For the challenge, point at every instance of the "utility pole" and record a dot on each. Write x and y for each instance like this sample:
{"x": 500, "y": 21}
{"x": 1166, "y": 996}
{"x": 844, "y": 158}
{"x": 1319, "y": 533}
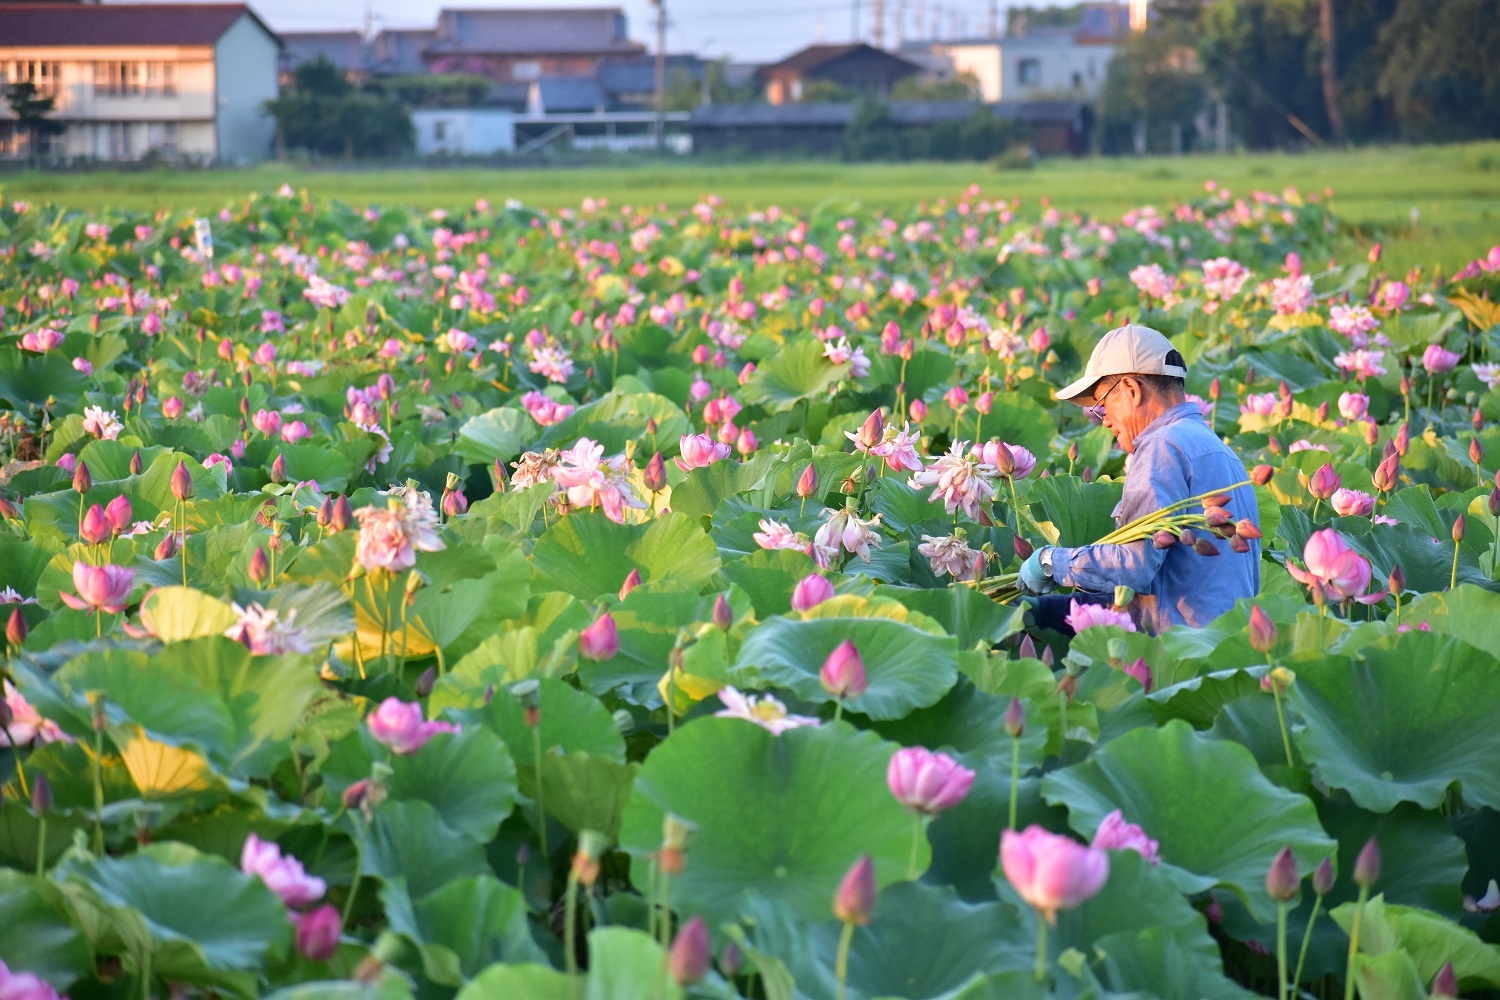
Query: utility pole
{"x": 879, "y": 10}
{"x": 900, "y": 23}
{"x": 854, "y": 22}
{"x": 994, "y": 18}
{"x": 1330, "y": 70}
{"x": 661, "y": 73}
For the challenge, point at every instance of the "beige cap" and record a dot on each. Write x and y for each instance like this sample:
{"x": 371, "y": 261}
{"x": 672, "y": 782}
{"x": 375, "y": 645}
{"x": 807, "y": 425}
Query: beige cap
{"x": 1126, "y": 350}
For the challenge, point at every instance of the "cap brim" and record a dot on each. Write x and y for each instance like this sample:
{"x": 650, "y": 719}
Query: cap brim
{"x": 1078, "y": 388}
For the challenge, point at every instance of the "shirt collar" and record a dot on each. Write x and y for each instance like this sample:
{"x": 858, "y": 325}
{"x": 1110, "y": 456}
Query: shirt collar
{"x": 1186, "y": 410}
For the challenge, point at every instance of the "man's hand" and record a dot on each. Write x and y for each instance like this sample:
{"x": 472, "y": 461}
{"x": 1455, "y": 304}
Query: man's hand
{"x": 1033, "y": 579}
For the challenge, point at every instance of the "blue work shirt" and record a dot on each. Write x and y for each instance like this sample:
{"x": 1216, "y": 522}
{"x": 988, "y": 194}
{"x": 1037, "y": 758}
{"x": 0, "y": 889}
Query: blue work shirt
{"x": 1177, "y": 456}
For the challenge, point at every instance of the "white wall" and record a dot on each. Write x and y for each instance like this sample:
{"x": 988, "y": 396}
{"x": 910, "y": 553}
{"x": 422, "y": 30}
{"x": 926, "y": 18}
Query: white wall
{"x": 245, "y": 78}
{"x": 464, "y": 131}
{"x": 1065, "y": 69}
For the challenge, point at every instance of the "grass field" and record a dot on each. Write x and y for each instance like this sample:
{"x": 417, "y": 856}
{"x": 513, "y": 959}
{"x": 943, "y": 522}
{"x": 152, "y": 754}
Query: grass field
{"x": 1432, "y": 206}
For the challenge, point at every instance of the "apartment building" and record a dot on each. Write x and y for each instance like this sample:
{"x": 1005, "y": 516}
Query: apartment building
{"x": 186, "y": 82}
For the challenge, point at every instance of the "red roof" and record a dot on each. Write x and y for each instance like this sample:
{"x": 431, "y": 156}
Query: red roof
{"x": 40, "y": 24}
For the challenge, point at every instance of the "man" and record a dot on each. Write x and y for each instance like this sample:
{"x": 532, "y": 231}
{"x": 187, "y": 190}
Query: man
{"x": 1134, "y": 383}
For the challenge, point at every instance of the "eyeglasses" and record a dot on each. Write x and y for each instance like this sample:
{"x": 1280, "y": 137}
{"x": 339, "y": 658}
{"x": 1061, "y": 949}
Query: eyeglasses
{"x": 1097, "y": 410}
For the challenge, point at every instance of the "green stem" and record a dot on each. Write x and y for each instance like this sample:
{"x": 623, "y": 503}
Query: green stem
{"x": 1453, "y": 577}
{"x": 359, "y": 865}
{"x": 570, "y": 917}
{"x": 182, "y": 536}
{"x": 1306, "y": 940}
{"x": 1317, "y": 503}
{"x": 1281, "y": 951}
{"x": 1015, "y": 778}
{"x": 146, "y": 973}
{"x": 20, "y": 767}
{"x": 541, "y": 807}
{"x": 651, "y": 877}
{"x": 41, "y": 845}
{"x": 1359, "y": 911}
{"x": 841, "y": 964}
{"x": 98, "y": 792}
{"x": 1286, "y": 741}
{"x": 1041, "y": 947}
{"x": 665, "y": 931}
{"x": 916, "y": 847}
{"x": 838, "y": 710}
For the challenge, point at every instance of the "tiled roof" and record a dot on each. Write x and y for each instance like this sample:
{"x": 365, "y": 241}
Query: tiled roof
{"x": 592, "y": 30}
{"x": 815, "y": 57}
{"x": 345, "y": 49}
{"x": 36, "y": 24}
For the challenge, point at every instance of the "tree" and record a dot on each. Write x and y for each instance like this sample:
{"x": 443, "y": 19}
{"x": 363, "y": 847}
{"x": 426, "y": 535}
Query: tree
{"x": 32, "y": 111}
{"x": 963, "y": 87}
{"x": 1154, "y": 84}
{"x": 1440, "y": 72}
{"x": 324, "y": 114}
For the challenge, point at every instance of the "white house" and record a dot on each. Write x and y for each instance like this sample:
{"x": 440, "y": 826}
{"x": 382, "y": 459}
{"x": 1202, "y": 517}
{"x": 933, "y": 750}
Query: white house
{"x": 186, "y": 81}
{"x": 1033, "y": 67}
{"x": 464, "y": 131}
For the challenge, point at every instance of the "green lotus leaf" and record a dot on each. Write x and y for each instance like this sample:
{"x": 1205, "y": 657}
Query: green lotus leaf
{"x": 769, "y": 577}
{"x": 176, "y": 613}
{"x": 1430, "y": 940}
{"x": 35, "y": 933}
{"x": 1217, "y": 819}
{"x": 585, "y": 792}
{"x": 1391, "y": 976}
{"x": 408, "y": 840}
{"x": 388, "y": 987}
{"x": 625, "y": 962}
{"x": 1412, "y": 716}
{"x": 589, "y": 556}
{"x": 569, "y": 720}
{"x": 1470, "y": 613}
{"x": 617, "y": 419}
{"x": 535, "y": 982}
{"x": 465, "y": 926}
{"x": 798, "y": 371}
{"x": 500, "y": 433}
{"x": 1082, "y": 512}
{"x": 200, "y": 919}
{"x": 967, "y": 615}
{"x": 778, "y": 817}
{"x": 908, "y": 667}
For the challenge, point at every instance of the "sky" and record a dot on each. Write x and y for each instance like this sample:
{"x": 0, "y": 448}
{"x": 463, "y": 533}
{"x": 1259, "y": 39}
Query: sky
{"x": 758, "y": 31}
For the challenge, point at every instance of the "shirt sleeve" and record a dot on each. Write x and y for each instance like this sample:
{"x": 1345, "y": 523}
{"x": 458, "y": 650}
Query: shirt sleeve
{"x": 1157, "y": 477}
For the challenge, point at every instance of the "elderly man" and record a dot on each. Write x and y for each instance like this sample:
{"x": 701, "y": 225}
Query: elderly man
{"x": 1134, "y": 383}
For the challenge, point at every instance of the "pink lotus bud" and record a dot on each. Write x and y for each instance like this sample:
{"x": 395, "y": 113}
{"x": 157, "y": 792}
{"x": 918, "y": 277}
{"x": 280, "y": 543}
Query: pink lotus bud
{"x": 1397, "y": 581}
{"x": 343, "y": 515}
{"x": 1322, "y": 879}
{"x": 182, "y": 482}
{"x": 1445, "y": 984}
{"x": 599, "y": 641}
{"x": 278, "y": 469}
{"x": 1015, "y": 718}
{"x": 1262, "y": 631}
{"x": 118, "y": 512}
{"x": 1141, "y": 671}
{"x": 260, "y": 566}
{"x": 95, "y": 528}
{"x": 843, "y": 673}
{"x": 455, "y": 503}
{"x": 723, "y": 613}
{"x": 166, "y": 548}
{"x": 1387, "y": 475}
{"x": 1324, "y": 482}
{"x": 82, "y": 480}
{"x": 1261, "y": 474}
{"x": 871, "y": 431}
{"x": 918, "y": 410}
{"x": 807, "y": 483}
{"x": 1402, "y": 440}
{"x": 1051, "y": 872}
{"x": 1438, "y": 359}
{"x": 1282, "y": 879}
{"x": 655, "y": 475}
{"x": 1458, "y": 530}
{"x": 16, "y": 629}
{"x": 985, "y": 402}
{"x": 1367, "y": 865}
{"x": 632, "y": 581}
{"x": 690, "y": 953}
{"x": 42, "y": 798}
{"x": 811, "y": 591}
{"x": 927, "y": 782}
{"x": 318, "y": 932}
{"x": 854, "y": 901}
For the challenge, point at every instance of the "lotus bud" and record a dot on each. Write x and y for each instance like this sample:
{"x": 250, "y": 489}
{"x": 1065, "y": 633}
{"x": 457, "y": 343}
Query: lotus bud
{"x": 1445, "y": 984}
{"x": 499, "y": 471}
{"x": 1262, "y": 631}
{"x": 278, "y": 469}
{"x": 95, "y": 528}
{"x": 1458, "y": 529}
{"x": 182, "y": 482}
{"x": 325, "y": 512}
{"x": 1322, "y": 412}
{"x": 843, "y": 673}
{"x": 1218, "y": 517}
{"x": 166, "y": 548}
{"x": 632, "y": 581}
{"x": 1478, "y": 419}
{"x": 1022, "y": 547}
{"x": 1005, "y": 459}
{"x": 1324, "y": 482}
{"x": 343, "y": 515}
{"x": 1187, "y": 537}
{"x": 1283, "y": 880}
{"x": 1164, "y": 539}
{"x": 16, "y": 629}
{"x": 1397, "y": 581}
{"x": 807, "y": 483}
{"x": 1204, "y": 547}
{"x": 260, "y": 566}
{"x": 1476, "y": 451}
{"x": 731, "y": 960}
{"x": 1372, "y": 434}
{"x": 855, "y": 899}
{"x": 1261, "y": 474}
{"x": 655, "y": 475}
{"x": 1238, "y": 544}
{"x": 1387, "y": 474}
{"x": 1322, "y": 879}
{"x": 871, "y": 431}
{"x": 41, "y": 795}
{"x": 1494, "y": 502}
{"x": 1214, "y": 390}
{"x": 1141, "y": 671}
{"x": 1250, "y": 375}
{"x": 82, "y": 481}
{"x": 1047, "y": 657}
{"x": 1015, "y": 719}
{"x": 1367, "y": 865}
{"x": 1403, "y": 440}
{"x": 1405, "y": 385}
{"x": 1247, "y": 529}
{"x": 1273, "y": 445}
{"x": 1027, "y": 649}
{"x": 600, "y": 641}
{"x": 690, "y": 953}
{"x": 8, "y": 509}
{"x": 455, "y": 503}
{"x": 424, "y": 684}
{"x": 723, "y": 613}
{"x": 1072, "y": 451}
{"x": 135, "y": 464}
{"x": 1123, "y": 596}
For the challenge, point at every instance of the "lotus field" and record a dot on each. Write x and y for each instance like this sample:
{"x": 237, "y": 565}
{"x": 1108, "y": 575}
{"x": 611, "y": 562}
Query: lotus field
{"x": 617, "y": 603}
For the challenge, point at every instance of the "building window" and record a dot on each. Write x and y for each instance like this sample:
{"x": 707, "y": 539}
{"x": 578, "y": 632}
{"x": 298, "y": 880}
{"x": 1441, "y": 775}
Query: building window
{"x": 526, "y": 69}
{"x": 44, "y": 75}
{"x": 440, "y": 130}
{"x": 1030, "y": 71}
{"x": 1077, "y": 81}
{"x": 115, "y": 78}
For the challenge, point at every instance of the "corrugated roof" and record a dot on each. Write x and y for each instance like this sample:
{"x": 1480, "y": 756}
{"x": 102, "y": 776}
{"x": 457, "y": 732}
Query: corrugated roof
{"x": 535, "y": 31}
{"x": 902, "y": 113}
{"x": 571, "y": 93}
{"x": 36, "y": 24}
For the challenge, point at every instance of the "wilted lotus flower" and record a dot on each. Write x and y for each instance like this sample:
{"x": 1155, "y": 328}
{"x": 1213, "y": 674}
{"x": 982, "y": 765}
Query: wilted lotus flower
{"x": 1051, "y": 872}
{"x": 100, "y": 588}
{"x": 1114, "y": 834}
{"x": 284, "y": 876}
{"x": 927, "y": 782}
{"x": 399, "y": 725}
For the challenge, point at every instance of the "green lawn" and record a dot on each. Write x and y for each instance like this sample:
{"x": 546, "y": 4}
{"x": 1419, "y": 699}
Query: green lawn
{"x": 1452, "y": 192}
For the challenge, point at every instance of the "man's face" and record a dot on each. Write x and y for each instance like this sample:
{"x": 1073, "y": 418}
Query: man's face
{"x": 1119, "y": 401}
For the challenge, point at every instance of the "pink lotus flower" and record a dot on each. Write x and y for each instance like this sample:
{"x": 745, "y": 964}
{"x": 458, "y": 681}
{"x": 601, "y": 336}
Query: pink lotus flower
{"x": 600, "y": 641}
{"x": 294, "y": 431}
{"x": 1331, "y": 564}
{"x": 1152, "y": 281}
{"x": 318, "y": 932}
{"x": 994, "y": 454}
{"x": 1051, "y": 872}
{"x": 1393, "y": 295}
{"x": 545, "y": 410}
{"x": 1223, "y": 278}
{"x": 763, "y": 710}
{"x": 1362, "y": 363}
{"x": 699, "y": 450}
{"x": 1114, "y": 834}
{"x": 1352, "y": 503}
{"x": 1438, "y": 359}
{"x": 1259, "y": 404}
{"x": 1292, "y": 295}
{"x": 26, "y": 723}
{"x": 927, "y": 782}
{"x": 24, "y": 985}
{"x": 1353, "y": 405}
{"x": 100, "y": 588}
{"x": 1082, "y": 616}
{"x": 811, "y": 591}
{"x": 283, "y": 875}
{"x": 399, "y": 725}
{"x": 390, "y": 537}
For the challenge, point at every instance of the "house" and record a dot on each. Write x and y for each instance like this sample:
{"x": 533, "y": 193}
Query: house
{"x": 180, "y": 80}
{"x": 520, "y": 45}
{"x": 344, "y": 49}
{"x": 631, "y": 82}
{"x": 399, "y": 51}
{"x": 858, "y": 67}
{"x": 464, "y": 131}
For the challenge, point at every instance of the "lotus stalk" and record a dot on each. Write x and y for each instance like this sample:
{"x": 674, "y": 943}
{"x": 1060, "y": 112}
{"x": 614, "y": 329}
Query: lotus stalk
{"x": 1015, "y": 725}
{"x": 1366, "y": 874}
{"x": 1322, "y": 884}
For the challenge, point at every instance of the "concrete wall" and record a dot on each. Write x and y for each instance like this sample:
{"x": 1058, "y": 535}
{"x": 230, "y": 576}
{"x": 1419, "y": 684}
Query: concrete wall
{"x": 1063, "y": 69}
{"x": 245, "y": 61}
{"x": 464, "y": 131}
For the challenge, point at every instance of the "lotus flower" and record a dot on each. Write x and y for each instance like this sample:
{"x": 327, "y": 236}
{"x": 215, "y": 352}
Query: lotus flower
{"x": 600, "y": 641}
{"x": 1438, "y": 359}
{"x": 100, "y": 588}
{"x": 811, "y": 591}
{"x": 283, "y": 875}
{"x": 1352, "y": 503}
{"x": 765, "y": 711}
{"x": 1114, "y": 834}
{"x": 24, "y": 985}
{"x": 1085, "y": 615}
{"x": 1334, "y": 566}
{"x": 1051, "y": 872}
{"x": 318, "y": 932}
{"x": 698, "y": 450}
{"x": 399, "y": 725}
{"x": 927, "y": 782}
